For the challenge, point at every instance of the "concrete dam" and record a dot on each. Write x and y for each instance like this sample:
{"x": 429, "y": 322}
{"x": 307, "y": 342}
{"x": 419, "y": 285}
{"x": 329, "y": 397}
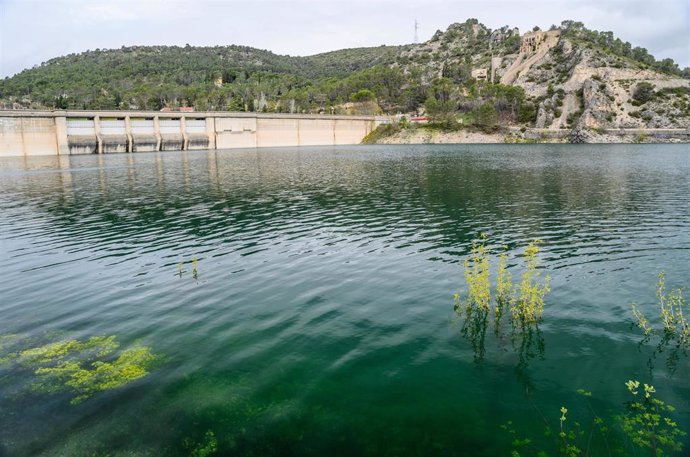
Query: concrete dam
{"x": 25, "y": 133}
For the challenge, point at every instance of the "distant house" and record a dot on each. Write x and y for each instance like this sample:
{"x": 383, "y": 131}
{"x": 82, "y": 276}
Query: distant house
{"x": 419, "y": 119}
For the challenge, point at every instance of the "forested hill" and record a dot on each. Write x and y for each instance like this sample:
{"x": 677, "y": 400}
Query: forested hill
{"x": 559, "y": 78}
{"x": 150, "y": 77}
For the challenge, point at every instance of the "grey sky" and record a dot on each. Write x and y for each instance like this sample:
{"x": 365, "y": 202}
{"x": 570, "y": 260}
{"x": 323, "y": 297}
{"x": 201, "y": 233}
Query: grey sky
{"x": 32, "y": 31}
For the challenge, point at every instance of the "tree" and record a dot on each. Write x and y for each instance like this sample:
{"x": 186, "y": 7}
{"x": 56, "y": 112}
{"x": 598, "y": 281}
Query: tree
{"x": 667, "y": 66}
{"x": 363, "y": 95}
{"x": 486, "y": 118}
{"x": 441, "y": 112}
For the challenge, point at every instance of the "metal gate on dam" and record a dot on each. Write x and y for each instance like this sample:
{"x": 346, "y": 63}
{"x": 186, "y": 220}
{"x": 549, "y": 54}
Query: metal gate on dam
{"x": 24, "y": 133}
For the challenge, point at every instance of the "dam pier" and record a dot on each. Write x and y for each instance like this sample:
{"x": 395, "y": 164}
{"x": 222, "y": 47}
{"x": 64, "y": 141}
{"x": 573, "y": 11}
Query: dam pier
{"x": 25, "y": 133}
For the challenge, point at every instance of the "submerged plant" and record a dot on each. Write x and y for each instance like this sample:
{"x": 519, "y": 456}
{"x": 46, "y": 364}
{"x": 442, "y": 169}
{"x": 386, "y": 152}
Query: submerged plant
{"x": 84, "y": 368}
{"x": 645, "y": 423}
{"x": 207, "y": 447}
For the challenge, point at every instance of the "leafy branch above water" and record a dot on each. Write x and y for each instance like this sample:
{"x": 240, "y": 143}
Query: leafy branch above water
{"x": 523, "y": 301}
{"x": 675, "y": 327}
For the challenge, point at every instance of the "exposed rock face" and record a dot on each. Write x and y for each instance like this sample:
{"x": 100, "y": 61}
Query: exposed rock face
{"x": 579, "y": 135}
{"x": 533, "y": 48}
{"x": 544, "y": 114}
{"x": 598, "y": 99}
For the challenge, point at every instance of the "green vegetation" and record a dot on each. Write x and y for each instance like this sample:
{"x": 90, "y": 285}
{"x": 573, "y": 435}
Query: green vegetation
{"x": 643, "y": 93}
{"x": 606, "y": 41}
{"x": 645, "y": 424}
{"x": 673, "y": 335}
{"x": 640, "y": 137}
{"x": 524, "y": 301}
{"x": 208, "y": 446}
{"x": 380, "y": 132}
{"x": 81, "y": 368}
{"x": 673, "y": 309}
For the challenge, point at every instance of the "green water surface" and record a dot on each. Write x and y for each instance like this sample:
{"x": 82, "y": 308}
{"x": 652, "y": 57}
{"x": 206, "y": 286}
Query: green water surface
{"x": 320, "y": 319}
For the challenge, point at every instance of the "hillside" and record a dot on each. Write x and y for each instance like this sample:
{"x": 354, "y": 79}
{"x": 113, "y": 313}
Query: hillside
{"x": 565, "y": 77}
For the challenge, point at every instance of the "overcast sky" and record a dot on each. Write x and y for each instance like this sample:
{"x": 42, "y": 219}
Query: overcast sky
{"x": 33, "y": 31}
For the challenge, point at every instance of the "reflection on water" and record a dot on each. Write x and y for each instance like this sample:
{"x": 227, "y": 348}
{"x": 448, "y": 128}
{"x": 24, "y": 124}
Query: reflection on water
{"x": 319, "y": 314}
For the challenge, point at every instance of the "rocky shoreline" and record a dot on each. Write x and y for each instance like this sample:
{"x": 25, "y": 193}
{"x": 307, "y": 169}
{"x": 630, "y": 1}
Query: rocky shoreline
{"x": 575, "y": 136}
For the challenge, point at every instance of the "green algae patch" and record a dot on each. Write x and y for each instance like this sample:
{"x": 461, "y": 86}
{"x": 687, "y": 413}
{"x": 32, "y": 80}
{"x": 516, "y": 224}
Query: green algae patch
{"x": 207, "y": 447}
{"x": 85, "y": 368}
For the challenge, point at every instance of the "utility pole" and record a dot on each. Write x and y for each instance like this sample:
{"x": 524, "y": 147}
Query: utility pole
{"x": 416, "y": 31}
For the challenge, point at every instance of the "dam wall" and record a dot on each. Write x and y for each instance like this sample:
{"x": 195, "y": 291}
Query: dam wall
{"x": 24, "y": 133}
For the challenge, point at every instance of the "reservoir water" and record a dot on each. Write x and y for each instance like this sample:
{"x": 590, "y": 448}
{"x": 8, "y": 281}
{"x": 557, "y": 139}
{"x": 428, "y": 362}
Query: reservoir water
{"x": 313, "y": 311}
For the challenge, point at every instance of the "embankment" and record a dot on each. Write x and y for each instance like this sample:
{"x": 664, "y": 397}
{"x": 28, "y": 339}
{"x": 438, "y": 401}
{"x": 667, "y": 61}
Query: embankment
{"x": 422, "y": 135}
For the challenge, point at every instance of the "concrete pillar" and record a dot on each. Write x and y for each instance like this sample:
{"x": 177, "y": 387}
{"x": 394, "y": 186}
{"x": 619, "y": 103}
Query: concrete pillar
{"x": 183, "y": 129}
{"x": 97, "y": 129}
{"x": 157, "y": 132}
{"x": 211, "y": 132}
{"x": 128, "y": 132}
{"x": 61, "y": 134}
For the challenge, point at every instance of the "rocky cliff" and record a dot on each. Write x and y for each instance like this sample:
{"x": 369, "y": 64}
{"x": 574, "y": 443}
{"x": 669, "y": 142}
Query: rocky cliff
{"x": 573, "y": 77}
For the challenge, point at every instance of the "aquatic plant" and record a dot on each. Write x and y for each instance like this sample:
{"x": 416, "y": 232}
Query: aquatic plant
{"x": 504, "y": 289}
{"x": 195, "y": 269}
{"x": 525, "y": 301}
{"x": 645, "y": 423}
{"x": 675, "y": 328}
{"x": 84, "y": 368}
{"x": 675, "y": 325}
{"x": 207, "y": 447}
{"x": 477, "y": 270}
{"x": 529, "y": 305}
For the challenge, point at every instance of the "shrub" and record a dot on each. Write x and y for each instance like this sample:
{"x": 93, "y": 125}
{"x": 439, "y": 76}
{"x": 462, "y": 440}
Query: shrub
{"x": 643, "y": 92}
